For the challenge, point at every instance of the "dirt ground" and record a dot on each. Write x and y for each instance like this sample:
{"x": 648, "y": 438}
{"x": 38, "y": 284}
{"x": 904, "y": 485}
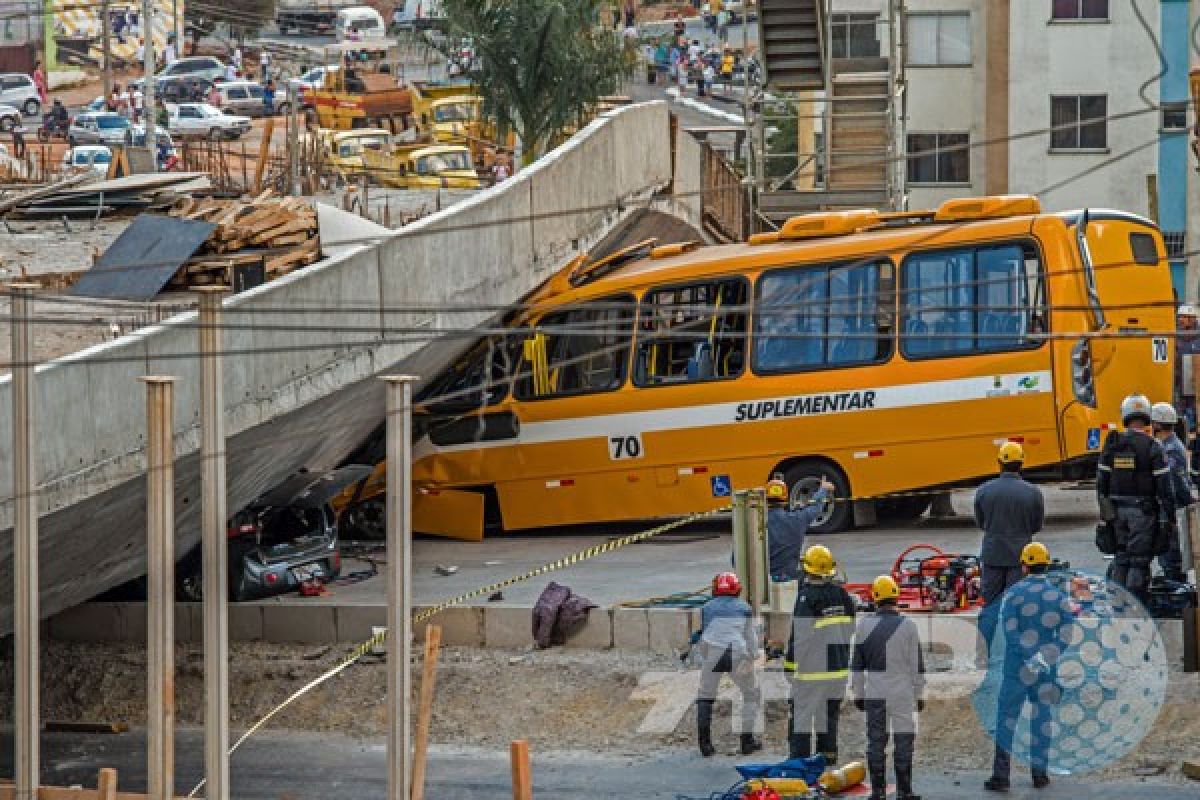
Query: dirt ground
{"x": 558, "y": 699}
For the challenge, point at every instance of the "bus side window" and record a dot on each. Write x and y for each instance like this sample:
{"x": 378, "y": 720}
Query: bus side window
{"x": 580, "y": 350}
{"x": 814, "y": 317}
{"x": 478, "y": 378}
{"x": 692, "y": 333}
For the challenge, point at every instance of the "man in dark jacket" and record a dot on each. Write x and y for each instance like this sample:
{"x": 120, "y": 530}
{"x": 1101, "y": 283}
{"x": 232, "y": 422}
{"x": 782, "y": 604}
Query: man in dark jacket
{"x": 787, "y": 527}
{"x": 1010, "y": 511}
{"x": 818, "y": 656}
{"x": 887, "y": 679}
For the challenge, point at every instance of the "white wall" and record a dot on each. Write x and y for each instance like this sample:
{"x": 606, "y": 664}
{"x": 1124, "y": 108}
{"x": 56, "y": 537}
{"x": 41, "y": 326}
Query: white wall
{"x": 1113, "y": 58}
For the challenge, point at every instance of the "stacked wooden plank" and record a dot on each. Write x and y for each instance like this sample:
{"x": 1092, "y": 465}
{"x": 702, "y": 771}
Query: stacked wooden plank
{"x": 278, "y": 232}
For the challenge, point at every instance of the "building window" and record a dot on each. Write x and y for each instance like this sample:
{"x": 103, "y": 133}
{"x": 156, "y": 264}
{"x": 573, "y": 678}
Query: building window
{"x": 1176, "y": 242}
{"x": 692, "y": 333}
{"x": 1079, "y": 122}
{"x": 1079, "y": 9}
{"x": 939, "y": 40}
{"x": 939, "y": 158}
{"x": 855, "y": 35}
{"x": 975, "y": 300}
{"x": 820, "y": 317}
{"x": 1174, "y": 116}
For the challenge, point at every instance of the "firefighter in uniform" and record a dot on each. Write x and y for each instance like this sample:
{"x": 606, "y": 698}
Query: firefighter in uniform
{"x": 818, "y": 656}
{"x": 1165, "y": 419}
{"x": 1033, "y": 643}
{"x": 1133, "y": 484}
{"x": 887, "y": 681}
{"x": 728, "y": 646}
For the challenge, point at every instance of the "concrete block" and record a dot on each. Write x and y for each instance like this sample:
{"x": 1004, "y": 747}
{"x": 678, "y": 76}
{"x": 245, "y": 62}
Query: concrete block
{"x": 245, "y": 623}
{"x": 462, "y": 626}
{"x": 354, "y": 623}
{"x": 596, "y": 633}
{"x": 90, "y": 622}
{"x": 507, "y": 626}
{"x": 306, "y": 624}
{"x": 630, "y": 629}
{"x": 669, "y": 629}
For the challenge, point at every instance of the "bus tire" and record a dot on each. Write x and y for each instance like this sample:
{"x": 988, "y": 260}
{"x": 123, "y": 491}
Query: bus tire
{"x": 804, "y": 477}
{"x": 902, "y": 509}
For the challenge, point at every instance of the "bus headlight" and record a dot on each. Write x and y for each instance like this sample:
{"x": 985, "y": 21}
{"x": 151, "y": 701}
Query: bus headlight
{"x": 1081, "y": 373}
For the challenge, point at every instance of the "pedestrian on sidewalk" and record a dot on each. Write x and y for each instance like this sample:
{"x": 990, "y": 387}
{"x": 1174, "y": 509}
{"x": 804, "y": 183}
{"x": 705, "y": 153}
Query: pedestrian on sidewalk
{"x": 817, "y": 659}
{"x": 723, "y": 25}
{"x": 1036, "y": 616}
{"x": 708, "y": 75}
{"x": 39, "y": 82}
{"x": 887, "y": 679}
{"x": 1164, "y": 420}
{"x": 728, "y": 644}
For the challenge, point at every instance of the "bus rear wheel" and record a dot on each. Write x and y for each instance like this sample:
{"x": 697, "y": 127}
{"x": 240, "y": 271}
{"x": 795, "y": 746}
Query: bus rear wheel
{"x": 803, "y": 479}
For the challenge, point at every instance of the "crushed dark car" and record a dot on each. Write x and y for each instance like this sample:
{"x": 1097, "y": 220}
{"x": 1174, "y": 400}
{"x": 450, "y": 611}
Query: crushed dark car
{"x": 286, "y": 538}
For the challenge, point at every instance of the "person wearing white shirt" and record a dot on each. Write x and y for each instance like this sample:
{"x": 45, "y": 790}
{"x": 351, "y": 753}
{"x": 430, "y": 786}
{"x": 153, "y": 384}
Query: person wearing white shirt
{"x": 169, "y": 53}
{"x": 230, "y": 72}
{"x": 236, "y": 58}
{"x": 264, "y": 63}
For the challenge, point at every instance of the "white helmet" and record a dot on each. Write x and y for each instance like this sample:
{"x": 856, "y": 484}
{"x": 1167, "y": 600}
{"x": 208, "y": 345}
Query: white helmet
{"x": 1164, "y": 414}
{"x": 1135, "y": 406}
{"x": 1186, "y": 310}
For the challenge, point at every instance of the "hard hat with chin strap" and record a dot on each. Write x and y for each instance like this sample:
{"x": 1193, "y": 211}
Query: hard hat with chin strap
{"x": 777, "y": 491}
{"x": 884, "y": 588}
{"x": 1164, "y": 414}
{"x": 819, "y": 561}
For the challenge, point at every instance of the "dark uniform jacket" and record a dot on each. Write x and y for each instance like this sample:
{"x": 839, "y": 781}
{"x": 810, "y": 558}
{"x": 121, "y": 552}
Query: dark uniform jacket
{"x": 1133, "y": 467}
{"x": 822, "y": 627}
{"x": 1010, "y": 511}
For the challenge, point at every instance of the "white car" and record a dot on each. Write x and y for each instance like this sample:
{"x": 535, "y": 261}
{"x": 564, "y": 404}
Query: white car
{"x": 18, "y": 89}
{"x": 95, "y": 157}
{"x": 201, "y": 119}
{"x": 10, "y": 117}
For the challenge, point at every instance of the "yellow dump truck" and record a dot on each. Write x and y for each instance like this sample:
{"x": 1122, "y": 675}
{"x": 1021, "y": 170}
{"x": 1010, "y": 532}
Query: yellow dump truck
{"x": 449, "y": 112}
{"x": 359, "y": 89}
{"x": 423, "y": 166}
{"x": 344, "y": 149}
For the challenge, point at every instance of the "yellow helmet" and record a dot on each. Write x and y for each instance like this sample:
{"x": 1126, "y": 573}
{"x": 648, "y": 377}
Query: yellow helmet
{"x": 1010, "y": 452}
{"x": 777, "y": 490}
{"x": 819, "y": 561}
{"x": 884, "y": 588}
{"x": 1035, "y": 554}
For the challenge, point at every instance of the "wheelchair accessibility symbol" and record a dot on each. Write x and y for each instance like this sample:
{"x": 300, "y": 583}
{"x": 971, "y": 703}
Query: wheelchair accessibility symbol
{"x": 721, "y": 486}
{"x": 1093, "y": 439}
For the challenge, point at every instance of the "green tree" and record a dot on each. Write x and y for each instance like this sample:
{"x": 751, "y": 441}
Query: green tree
{"x": 541, "y": 64}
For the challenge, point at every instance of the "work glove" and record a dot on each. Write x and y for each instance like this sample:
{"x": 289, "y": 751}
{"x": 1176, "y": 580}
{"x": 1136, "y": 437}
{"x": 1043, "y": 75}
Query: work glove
{"x": 860, "y": 704}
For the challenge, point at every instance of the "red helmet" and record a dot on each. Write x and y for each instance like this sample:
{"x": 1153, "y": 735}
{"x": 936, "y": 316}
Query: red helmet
{"x": 727, "y": 583}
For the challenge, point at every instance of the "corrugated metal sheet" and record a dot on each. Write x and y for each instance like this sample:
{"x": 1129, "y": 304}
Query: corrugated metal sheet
{"x": 143, "y": 258}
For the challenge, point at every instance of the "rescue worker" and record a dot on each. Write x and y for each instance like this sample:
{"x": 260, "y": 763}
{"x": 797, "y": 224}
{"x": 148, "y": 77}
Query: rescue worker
{"x": 729, "y": 645}
{"x": 1033, "y": 643}
{"x": 1010, "y": 511}
{"x": 818, "y": 657}
{"x": 787, "y": 527}
{"x": 887, "y": 678}
{"x": 1133, "y": 486}
{"x": 1164, "y": 419}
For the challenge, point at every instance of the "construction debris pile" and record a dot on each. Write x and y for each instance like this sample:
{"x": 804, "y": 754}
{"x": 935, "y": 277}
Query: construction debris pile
{"x": 280, "y": 233}
{"x": 82, "y": 195}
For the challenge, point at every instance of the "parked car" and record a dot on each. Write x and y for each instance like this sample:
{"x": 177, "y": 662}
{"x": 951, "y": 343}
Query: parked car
{"x": 18, "y": 89}
{"x": 313, "y": 79}
{"x": 241, "y": 97}
{"x": 285, "y": 538}
{"x": 96, "y": 105}
{"x": 94, "y": 157}
{"x": 205, "y": 67}
{"x": 98, "y": 127}
{"x": 10, "y": 117}
{"x": 201, "y": 119}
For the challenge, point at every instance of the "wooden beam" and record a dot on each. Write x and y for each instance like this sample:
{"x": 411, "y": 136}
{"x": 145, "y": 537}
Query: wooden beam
{"x": 106, "y": 788}
{"x": 522, "y": 777}
{"x": 433, "y": 643}
{"x": 263, "y": 151}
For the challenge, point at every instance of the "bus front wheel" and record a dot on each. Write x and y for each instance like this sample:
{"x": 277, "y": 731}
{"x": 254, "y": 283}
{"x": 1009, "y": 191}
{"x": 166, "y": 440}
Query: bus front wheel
{"x": 803, "y": 480}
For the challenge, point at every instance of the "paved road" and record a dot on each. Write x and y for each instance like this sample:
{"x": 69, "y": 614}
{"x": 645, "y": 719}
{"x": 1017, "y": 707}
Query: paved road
{"x": 687, "y": 559}
{"x": 301, "y": 766}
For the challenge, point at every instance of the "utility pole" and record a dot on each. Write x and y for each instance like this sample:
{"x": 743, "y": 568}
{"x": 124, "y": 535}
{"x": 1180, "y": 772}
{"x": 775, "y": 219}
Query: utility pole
{"x": 293, "y": 141}
{"x": 399, "y": 584}
{"x": 160, "y": 569}
{"x": 25, "y": 548}
{"x": 148, "y": 65}
{"x": 106, "y": 48}
{"x": 213, "y": 540}
{"x": 177, "y": 28}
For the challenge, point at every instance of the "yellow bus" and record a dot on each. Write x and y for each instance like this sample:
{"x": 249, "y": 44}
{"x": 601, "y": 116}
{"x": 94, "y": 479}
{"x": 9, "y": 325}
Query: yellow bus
{"x": 888, "y": 352}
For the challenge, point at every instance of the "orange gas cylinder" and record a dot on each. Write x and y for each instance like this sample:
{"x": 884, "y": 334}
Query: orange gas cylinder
{"x": 843, "y": 778}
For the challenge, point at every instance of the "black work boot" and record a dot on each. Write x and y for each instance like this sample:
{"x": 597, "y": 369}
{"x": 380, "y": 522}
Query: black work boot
{"x": 994, "y": 784}
{"x": 750, "y": 744}
{"x": 704, "y": 709}
{"x": 904, "y": 784}
{"x": 1040, "y": 780}
{"x": 878, "y": 781}
{"x": 799, "y": 745}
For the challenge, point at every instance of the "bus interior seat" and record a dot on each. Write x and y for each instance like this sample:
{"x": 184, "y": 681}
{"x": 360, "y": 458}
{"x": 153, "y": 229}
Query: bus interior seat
{"x": 700, "y": 365}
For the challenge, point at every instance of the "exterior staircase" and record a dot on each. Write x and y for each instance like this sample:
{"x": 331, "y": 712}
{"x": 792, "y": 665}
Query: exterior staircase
{"x": 792, "y": 36}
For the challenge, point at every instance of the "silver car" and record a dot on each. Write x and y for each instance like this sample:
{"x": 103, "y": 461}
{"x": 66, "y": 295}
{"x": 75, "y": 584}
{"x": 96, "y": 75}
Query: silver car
{"x": 204, "y": 67}
{"x": 17, "y": 89}
{"x": 98, "y": 127}
{"x": 241, "y": 97}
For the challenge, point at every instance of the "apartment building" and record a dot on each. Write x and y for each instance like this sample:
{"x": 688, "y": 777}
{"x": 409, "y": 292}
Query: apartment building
{"x": 1082, "y": 102}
